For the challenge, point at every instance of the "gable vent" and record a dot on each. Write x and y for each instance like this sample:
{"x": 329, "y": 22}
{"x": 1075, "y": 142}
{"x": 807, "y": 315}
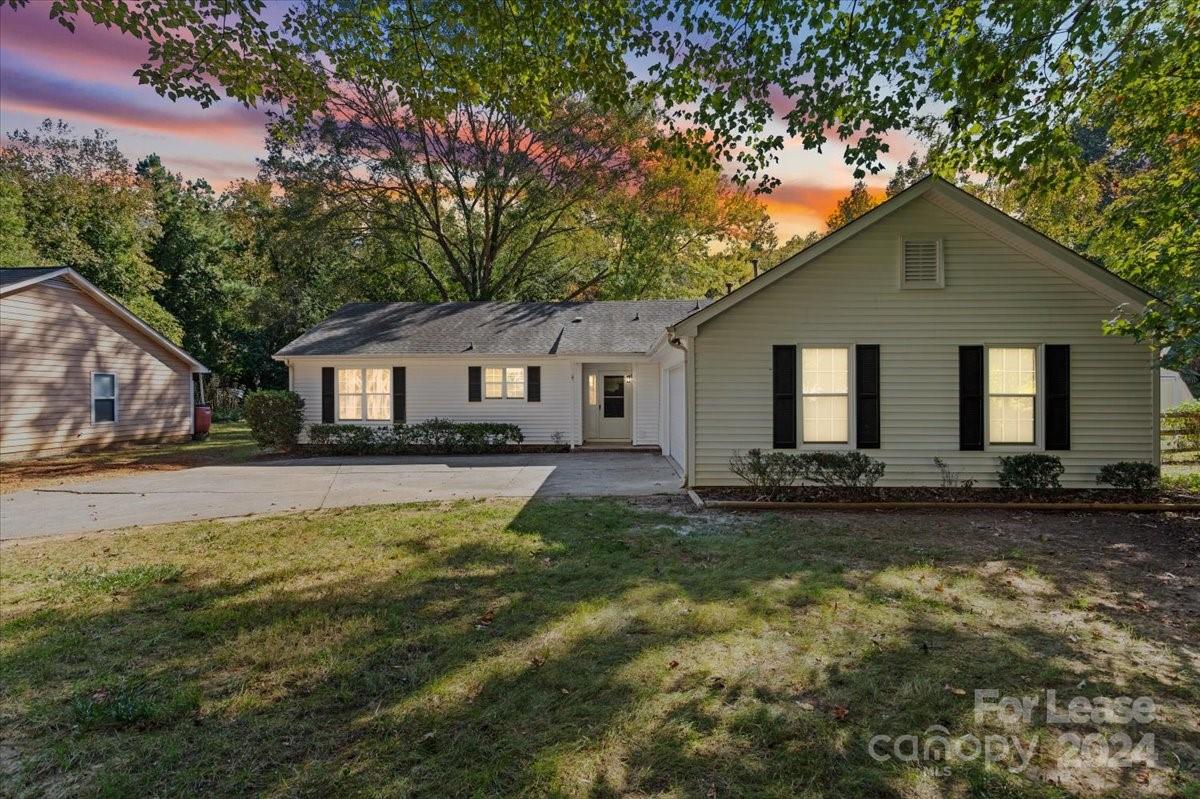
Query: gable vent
{"x": 921, "y": 264}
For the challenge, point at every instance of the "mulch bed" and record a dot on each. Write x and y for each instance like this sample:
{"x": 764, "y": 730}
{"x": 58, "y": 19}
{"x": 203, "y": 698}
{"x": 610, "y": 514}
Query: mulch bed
{"x": 950, "y": 495}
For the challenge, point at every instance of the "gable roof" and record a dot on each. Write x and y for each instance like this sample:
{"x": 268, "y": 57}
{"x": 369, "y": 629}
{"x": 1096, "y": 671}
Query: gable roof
{"x": 613, "y": 327}
{"x": 13, "y": 280}
{"x": 26, "y": 275}
{"x": 954, "y": 200}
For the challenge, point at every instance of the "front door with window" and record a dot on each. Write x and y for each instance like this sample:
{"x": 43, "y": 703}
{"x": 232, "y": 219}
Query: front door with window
{"x": 607, "y": 404}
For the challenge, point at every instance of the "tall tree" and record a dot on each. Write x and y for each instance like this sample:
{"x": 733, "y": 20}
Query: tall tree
{"x": 851, "y": 207}
{"x": 999, "y": 85}
{"x": 474, "y": 199}
{"x": 192, "y": 252}
{"x": 84, "y": 207}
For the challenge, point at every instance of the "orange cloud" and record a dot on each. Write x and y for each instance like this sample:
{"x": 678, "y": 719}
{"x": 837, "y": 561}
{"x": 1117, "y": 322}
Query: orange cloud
{"x": 800, "y": 207}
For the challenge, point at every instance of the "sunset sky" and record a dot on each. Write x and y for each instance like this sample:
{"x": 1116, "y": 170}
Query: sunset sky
{"x": 86, "y": 79}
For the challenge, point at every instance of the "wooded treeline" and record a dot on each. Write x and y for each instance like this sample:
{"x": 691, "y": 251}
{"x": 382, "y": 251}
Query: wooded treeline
{"x": 471, "y": 150}
{"x": 472, "y": 208}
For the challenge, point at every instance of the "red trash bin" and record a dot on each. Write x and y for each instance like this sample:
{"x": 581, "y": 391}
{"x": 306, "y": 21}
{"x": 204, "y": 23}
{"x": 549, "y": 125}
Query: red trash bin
{"x": 203, "y": 420}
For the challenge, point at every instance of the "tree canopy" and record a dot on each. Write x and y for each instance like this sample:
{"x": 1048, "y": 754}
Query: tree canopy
{"x": 997, "y": 88}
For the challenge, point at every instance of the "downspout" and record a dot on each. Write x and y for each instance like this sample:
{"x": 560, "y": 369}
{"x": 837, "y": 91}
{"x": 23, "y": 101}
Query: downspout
{"x": 677, "y": 343}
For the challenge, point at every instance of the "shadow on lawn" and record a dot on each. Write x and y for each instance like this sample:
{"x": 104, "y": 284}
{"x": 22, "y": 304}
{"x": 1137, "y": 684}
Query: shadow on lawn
{"x": 584, "y": 650}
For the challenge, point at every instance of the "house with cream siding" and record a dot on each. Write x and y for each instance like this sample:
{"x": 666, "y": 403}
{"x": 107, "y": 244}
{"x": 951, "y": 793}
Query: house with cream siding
{"x": 78, "y": 370}
{"x": 934, "y": 326}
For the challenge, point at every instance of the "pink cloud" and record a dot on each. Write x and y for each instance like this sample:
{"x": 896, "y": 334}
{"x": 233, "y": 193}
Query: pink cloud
{"x": 35, "y": 93}
{"x": 97, "y": 52}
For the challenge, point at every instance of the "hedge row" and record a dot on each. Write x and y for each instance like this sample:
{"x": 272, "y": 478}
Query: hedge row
{"x": 434, "y": 437}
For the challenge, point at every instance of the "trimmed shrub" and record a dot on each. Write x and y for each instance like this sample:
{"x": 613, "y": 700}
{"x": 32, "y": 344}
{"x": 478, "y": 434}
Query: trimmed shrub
{"x": 768, "y": 472}
{"x": 1135, "y": 475}
{"x": 845, "y": 469}
{"x": 345, "y": 439}
{"x": 1030, "y": 471}
{"x": 275, "y": 417}
{"x": 431, "y": 437}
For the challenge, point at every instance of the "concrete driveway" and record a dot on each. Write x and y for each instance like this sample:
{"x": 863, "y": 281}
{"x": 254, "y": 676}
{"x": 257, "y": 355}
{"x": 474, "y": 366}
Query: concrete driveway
{"x": 307, "y": 484}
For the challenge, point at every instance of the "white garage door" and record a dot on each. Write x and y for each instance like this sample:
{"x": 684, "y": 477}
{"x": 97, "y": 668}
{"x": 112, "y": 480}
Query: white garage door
{"x": 677, "y": 420}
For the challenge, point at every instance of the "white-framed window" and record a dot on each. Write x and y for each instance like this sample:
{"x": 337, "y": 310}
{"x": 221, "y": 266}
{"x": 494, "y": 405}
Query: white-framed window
{"x": 104, "y": 397}
{"x": 364, "y": 394}
{"x": 921, "y": 264}
{"x": 1012, "y": 390}
{"x": 504, "y": 382}
{"x": 825, "y": 395}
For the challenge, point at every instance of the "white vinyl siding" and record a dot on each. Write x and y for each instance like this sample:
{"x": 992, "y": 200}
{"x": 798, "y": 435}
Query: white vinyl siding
{"x": 437, "y": 387}
{"x": 646, "y": 381}
{"x": 997, "y": 296}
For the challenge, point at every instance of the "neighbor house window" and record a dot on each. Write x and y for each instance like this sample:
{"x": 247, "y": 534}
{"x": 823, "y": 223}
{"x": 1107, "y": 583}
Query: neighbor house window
{"x": 504, "y": 382}
{"x": 364, "y": 394}
{"x": 825, "y": 388}
{"x": 104, "y": 397}
{"x": 1012, "y": 394}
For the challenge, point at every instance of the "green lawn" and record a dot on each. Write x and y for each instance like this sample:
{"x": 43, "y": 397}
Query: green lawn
{"x": 227, "y": 442}
{"x": 586, "y": 649}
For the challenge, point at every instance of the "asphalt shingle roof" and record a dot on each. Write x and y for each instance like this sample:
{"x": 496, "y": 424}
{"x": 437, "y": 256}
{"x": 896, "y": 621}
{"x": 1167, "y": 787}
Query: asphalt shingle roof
{"x": 18, "y": 274}
{"x": 493, "y": 328}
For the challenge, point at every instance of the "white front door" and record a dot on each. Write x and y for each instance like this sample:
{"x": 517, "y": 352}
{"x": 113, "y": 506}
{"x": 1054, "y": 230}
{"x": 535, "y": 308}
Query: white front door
{"x": 607, "y": 404}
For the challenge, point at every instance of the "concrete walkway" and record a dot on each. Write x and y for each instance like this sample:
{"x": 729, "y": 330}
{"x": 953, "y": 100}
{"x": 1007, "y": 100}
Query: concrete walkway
{"x": 289, "y": 485}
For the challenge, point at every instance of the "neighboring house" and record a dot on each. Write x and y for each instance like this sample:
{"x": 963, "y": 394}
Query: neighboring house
{"x": 78, "y": 370}
{"x": 575, "y": 372}
{"x": 1174, "y": 391}
{"x": 932, "y": 326}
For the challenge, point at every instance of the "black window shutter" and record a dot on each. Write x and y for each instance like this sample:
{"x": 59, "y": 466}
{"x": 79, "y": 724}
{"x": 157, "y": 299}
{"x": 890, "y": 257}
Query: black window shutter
{"x": 970, "y": 398}
{"x": 866, "y": 375}
{"x": 327, "y": 394}
{"x": 1058, "y": 396}
{"x": 533, "y": 383}
{"x": 474, "y": 384}
{"x": 783, "y": 376}
{"x": 399, "y": 393}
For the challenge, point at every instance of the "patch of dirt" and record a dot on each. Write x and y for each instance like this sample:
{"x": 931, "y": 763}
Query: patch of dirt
{"x": 938, "y": 494}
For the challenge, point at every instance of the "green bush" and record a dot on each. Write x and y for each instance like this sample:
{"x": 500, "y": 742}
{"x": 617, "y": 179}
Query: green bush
{"x": 275, "y": 417}
{"x": 1135, "y": 475}
{"x": 1184, "y": 424}
{"x": 767, "y": 472}
{"x": 433, "y": 437}
{"x": 1188, "y": 481}
{"x": 346, "y": 439}
{"x": 1030, "y": 471}
{"x": 846, "y": 469}
{"x": 773, "y": 472}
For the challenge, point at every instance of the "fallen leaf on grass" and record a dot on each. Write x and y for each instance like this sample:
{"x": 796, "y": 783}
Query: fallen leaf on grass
{"x": 952, "y": 689}
{"x": 839, "y": 713}
{"x": 674, "y": 664}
